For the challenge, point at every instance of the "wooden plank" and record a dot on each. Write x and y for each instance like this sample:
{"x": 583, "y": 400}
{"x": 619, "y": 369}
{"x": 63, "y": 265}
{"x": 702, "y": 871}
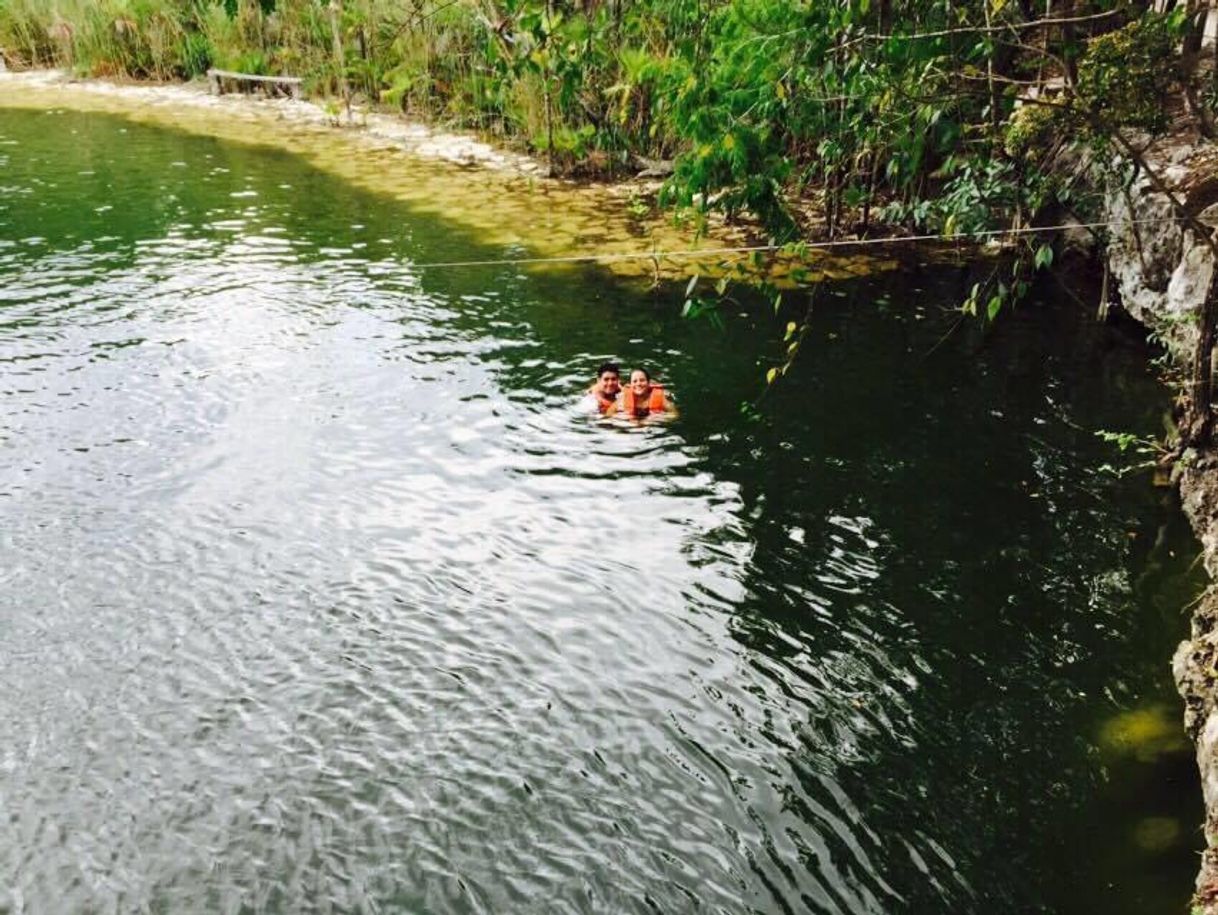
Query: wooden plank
{"x": 253, "y": 77}
{"x": 215, "y": 76}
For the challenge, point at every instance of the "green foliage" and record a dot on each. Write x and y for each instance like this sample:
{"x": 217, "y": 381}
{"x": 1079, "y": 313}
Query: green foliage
{"x": 1032, "y": 129}
{"x": 911, "y": 113}
{"x": 196, "y": 54}
{"x": 1145, "y": 451}
{"x": 28, "y": 33}
{"x": 1125, "y": 75}
{"x": 1127, "y": 441}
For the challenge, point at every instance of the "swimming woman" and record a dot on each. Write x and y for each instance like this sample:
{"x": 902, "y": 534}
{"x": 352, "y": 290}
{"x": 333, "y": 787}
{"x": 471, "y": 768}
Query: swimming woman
{"x": 641, "y": 398}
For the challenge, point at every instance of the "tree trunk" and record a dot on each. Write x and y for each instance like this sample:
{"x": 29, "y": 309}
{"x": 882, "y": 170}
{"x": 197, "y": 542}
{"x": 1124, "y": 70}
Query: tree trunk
{"x": 549, "y": 125}
{"x": 1200, "y": 420}
{"x": 872, "y": 170}
{"x": 1194, "y": 30}
{"x": 549, "y": 94}
{"x": 1069, "y": 8}
{"x": 989, "y": 70}
{"x": 1190, "y": 63}
{"x": 340, "y": 59}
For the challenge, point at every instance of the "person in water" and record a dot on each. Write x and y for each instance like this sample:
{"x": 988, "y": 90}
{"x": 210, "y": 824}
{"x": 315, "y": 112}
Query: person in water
{"x": 605, "y": 392}
{"x": 641, "y": 398}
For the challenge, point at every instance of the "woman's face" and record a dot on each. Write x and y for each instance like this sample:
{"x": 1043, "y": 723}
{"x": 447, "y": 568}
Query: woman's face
{"x": 639, "y": 383}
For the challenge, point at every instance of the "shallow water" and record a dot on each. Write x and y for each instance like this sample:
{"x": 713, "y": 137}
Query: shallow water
{"x": 316, "y": 593}
{"x": 510, "y": 209}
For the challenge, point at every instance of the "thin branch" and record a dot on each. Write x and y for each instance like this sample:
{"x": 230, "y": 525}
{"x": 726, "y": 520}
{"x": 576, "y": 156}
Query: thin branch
{"x": 992, "y": 29}
{"x": 1005, "y": 80}
{"x": 1061, "y": 63}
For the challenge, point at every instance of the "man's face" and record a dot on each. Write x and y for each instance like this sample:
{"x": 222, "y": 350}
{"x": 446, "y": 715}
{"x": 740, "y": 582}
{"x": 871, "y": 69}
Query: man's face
{"x": 611, "y": 383}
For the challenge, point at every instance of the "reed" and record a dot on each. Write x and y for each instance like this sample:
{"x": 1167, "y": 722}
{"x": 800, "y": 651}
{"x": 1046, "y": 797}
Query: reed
{"x": 538, "y": 77}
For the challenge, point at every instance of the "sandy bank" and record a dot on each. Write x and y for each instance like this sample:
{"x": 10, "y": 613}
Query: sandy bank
{"x": 169, "y": 99}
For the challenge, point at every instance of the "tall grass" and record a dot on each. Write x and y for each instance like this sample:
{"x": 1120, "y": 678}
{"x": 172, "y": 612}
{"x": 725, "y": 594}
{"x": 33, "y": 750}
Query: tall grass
{"x": 443, "y": 60}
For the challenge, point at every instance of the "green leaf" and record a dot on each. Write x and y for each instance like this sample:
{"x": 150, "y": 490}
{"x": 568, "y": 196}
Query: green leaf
{"x": 969, "y": 307}
{"x": 993, "y": 307}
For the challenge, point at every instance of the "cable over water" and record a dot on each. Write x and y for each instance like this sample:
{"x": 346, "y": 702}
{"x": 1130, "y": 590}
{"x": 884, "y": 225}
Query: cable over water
{"x": 835, "y": 244}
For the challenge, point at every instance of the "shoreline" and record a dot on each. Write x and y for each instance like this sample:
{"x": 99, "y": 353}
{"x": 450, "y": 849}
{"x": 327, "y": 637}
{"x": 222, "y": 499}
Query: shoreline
{"x": 411, "y": 137}
{"x": 504, "y": 197}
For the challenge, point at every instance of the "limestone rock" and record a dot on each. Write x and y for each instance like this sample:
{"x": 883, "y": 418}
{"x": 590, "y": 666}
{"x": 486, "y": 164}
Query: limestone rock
{"x": 1162, "y": 272}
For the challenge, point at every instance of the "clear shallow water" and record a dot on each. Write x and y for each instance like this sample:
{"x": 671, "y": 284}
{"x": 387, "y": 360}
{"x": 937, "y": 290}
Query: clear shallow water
{"x": 316, "y": 594}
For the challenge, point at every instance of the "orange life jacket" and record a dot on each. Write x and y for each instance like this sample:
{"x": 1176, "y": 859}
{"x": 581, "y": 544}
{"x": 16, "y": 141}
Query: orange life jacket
{"x": 602, "y": 405}
{"x": 655, "y": 402}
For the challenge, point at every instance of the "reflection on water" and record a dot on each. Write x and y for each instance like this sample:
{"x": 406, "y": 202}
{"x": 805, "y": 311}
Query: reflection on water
{"x": 319, "y": 593}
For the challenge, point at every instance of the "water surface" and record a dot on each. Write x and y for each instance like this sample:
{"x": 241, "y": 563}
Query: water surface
{"x": 317, "y": 594}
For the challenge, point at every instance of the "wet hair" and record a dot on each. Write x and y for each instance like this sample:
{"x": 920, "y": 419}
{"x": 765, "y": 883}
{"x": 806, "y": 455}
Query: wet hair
{"x": 609, "y": 367}
{"x": 646, "y": 374}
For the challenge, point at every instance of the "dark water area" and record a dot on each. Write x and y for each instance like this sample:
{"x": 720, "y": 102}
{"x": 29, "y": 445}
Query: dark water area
{"x": 317, "y": 592}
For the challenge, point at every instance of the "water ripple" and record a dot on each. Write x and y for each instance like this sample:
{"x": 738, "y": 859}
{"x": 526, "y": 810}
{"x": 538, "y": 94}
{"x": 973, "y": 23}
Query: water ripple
{"x": 319, "y": 593}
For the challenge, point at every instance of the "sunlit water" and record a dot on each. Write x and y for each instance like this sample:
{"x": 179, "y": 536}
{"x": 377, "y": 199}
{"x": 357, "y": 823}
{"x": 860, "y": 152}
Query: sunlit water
{"x": 318, "y": 594}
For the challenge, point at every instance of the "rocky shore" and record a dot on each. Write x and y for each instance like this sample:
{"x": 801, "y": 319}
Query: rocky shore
{"x": 1161, "y": 272}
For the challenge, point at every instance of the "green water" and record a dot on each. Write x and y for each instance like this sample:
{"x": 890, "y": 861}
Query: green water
{"x": 317, "y": 593}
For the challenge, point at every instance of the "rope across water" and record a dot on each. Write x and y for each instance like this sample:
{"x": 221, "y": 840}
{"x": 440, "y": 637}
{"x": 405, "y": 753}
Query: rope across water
{"x": 807, "y": 246}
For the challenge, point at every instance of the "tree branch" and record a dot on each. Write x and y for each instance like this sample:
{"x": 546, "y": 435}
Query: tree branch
{"x": 991, "y": 29}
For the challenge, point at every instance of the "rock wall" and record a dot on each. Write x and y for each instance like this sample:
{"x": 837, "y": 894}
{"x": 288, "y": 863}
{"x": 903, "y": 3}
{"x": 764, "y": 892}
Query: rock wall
{"x": 1160, "y": 269}
{"x": 1161, "y": 272}
{"x": 1195, "y": 667}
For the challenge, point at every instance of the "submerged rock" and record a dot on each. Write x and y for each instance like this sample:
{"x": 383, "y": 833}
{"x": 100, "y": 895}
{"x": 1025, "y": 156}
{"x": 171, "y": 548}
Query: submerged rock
{"x": 1144, "y": 733}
